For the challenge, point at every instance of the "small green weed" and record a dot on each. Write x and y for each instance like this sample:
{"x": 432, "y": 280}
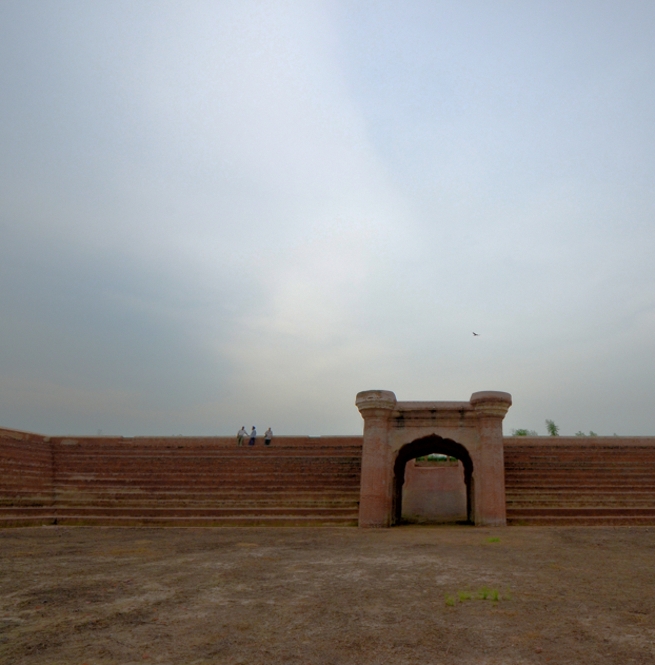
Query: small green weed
{"x": 485, "y": 593}
{"x": 493, "y": 540}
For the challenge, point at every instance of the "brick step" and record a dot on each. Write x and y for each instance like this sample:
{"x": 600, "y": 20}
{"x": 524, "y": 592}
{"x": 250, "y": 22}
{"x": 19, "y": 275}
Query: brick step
{"x": 586, "y": 497}
{"x": 8, "y": 464}
{"x": 577, "y": 504}
{"x": 580, "y": 489}
{"x": 264, "y": 462}
{"x": 208, "y": 471}
{"x": 246, "y": 452}
{"x": 265, "y": 455}
{"x": 557, "y": 472}
{"x": 234, "y": 493}
{"x": 308, "y": 492}
{"x": 606, "y": 465}
{"x": 576, "y": 462}
{"x": 217, "y": 493}
{"x": 234, "y": 465}
{"x": 139, "y": 511}
{"x": 206, "y": 505}
{"x": 214, "y": 463}
{"x": 578, "y": 447}
{"x": 268, "y": 485}
{"x": 596, "y": 453}
{"x": 581, "y": 512}
{"x": 7, "y": 445}
{"x": 582, "y": 521}
{"x": 220, "y": 494}
{"x": 583, "y": 451}
{"x": 154, "y": 468}
{"x": 100, "y": 472}
{"x": 208, "y": 453}
{"x": 234, "y": 521}
{"x": 34, "y": 511}
{"x": 218, "y": 501}
{"x": 565, "y": 492}
{"x": 564, "y": 484}
{"x": 16, "y": 488}
{"x": 26, "y": 500}
{"x": 26, "y": 520}
{"x": 224, "y": 521}
{"x": 18, "y": 469}
{"x": 601, "y": 484}
{"x": 605, "y": 470}
{"x": 264, "y": 484}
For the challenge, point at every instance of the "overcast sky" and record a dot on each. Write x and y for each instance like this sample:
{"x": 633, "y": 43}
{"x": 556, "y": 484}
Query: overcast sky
{"x": 215, "y": 214}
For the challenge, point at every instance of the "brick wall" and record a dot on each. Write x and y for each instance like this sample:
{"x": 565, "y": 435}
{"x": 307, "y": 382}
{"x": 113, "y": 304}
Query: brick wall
{"x": 26, "y": 474}
{"x": 580, "y": 480}
{"x": 300, "y": 480}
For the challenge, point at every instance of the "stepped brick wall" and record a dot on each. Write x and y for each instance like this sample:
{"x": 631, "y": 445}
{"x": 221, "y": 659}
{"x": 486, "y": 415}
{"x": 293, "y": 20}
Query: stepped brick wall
{"x": 580, "y": 480}
{"x": 185, "y": 481}
{"x": 209, "y": 481}
{"x": 26, "y": 470}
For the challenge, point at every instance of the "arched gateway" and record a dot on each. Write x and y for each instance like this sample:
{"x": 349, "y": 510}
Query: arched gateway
{"x": 396, "y": 432}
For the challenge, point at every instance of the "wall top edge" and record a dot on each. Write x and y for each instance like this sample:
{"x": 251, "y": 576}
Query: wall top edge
{"x": 586, "y": 441}
{"x": 549, "y": 441}
{"x": 433, "y": 406}
{"x": 20, "y": 434}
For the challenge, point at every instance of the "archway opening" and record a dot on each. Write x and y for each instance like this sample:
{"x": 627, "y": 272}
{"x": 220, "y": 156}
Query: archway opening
{"x": 425, "y": 448}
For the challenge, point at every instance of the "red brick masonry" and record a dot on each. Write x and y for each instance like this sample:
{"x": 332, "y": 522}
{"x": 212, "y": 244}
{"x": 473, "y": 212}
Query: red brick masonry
{"x": 208, "y": 481}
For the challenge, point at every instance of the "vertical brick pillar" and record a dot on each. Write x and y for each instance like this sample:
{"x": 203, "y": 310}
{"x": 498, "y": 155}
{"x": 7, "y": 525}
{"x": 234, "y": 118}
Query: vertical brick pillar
{"x": 376, "y": 493}
{"x": 489, "y": 468}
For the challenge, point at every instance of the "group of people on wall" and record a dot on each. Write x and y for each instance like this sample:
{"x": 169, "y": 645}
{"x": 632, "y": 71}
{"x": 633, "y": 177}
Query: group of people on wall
{"x": 242, "y": 435}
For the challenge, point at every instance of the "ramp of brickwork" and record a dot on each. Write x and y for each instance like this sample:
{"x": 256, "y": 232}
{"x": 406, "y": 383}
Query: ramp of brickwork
{"x": 580, "y": 480}
{"x": 180, "y": 481}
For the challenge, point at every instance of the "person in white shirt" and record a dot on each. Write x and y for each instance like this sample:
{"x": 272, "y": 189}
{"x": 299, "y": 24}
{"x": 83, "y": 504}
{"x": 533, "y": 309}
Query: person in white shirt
{"x": 268, "y": 435}
{"x": 241, "y": 435}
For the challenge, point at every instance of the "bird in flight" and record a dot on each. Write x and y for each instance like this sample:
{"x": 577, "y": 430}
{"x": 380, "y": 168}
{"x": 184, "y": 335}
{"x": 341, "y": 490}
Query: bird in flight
{"x": 476, "y": 334}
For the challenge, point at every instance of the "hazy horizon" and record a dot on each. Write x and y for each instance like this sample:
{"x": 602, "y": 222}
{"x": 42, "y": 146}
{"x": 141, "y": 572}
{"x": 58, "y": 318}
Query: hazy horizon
{"x": 217, "y": 214}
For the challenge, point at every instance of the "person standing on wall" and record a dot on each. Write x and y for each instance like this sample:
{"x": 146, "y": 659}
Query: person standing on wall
{"x": 241, "y": 435}
{"x": 268, "y": 435}
{"x": 253, "y": 436}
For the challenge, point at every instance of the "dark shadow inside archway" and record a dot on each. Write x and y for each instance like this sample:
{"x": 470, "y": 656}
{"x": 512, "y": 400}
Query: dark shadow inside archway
{"x": 430, "y": 445}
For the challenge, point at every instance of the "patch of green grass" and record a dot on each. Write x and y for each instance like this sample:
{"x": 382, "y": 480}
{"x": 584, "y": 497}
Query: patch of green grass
{"x": 485, "y": 593}
{"x": 494, "y": 539}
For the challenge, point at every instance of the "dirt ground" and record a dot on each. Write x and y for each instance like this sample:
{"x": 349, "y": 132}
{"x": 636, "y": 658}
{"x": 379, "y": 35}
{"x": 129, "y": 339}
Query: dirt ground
{"x": 327, "y": 596}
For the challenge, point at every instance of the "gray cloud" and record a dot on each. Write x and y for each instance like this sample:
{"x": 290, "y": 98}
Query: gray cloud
{"x": 214, "y": 215}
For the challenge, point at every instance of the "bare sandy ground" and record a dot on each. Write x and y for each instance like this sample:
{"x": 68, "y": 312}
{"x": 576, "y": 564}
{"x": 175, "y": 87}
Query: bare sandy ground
{"x": 327, "y": 596}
